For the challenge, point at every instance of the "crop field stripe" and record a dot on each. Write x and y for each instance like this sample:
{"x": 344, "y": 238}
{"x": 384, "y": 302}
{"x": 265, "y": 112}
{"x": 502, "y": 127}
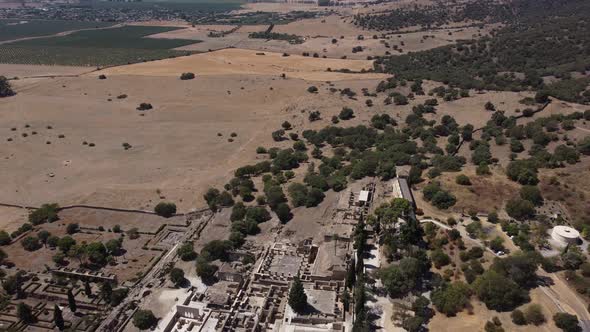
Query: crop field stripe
{"x": 82, "y": 56}
{"x": 14, "y": 29}
{"x": 132, "y": 37}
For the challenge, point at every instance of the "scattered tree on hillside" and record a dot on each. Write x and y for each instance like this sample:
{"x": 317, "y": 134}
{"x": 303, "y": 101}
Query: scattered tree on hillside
{"x": 5, "y": 88}
{"x": 165, "y": 209}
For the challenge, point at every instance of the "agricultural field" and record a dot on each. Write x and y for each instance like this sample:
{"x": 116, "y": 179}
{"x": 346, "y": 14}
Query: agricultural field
{"x": 203, "y": 6}
{"x": 95, "y": 48}
{"x": 15, "y": 29}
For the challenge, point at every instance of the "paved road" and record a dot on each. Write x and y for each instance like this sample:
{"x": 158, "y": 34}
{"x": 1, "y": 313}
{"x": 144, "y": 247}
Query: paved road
{"x": 564, "y": 298}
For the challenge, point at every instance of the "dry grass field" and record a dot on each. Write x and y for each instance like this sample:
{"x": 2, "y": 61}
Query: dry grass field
{"x": 319, "y": 34}
{"x": 248, "y": 62}
{"x": 62, "y": 137}
{"x": 22, "y": 71}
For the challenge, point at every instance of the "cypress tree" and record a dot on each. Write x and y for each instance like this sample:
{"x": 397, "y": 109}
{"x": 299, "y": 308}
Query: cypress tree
{"x": 351, "y": 275}
{"x": 87, "y": 288}
{"x": 58, "y": 318}
{"x": 25, "y": 313}
{"x": 297, "y": 297}
{"x": 106, "y": 291}
{"x": 71, "y": 301}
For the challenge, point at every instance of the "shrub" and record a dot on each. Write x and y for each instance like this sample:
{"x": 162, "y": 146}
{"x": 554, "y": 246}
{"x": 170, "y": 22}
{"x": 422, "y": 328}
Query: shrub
{"x": 46, "y": 213}
{"x": 518, "y": 317}
{"x": 217, "y": 249}
{"x": 287, "y": 125}
{"x": 439, "y": 258}
{"x": 5, "y": 88}
{"x": 187, "y": 76}
{"x": 283, "y": 212}
{"x": 165, "y": 209}
{"x": 176, "y": 276}
{"x": 483, "y": 169}
{"x": 531, "y": 194}
{"x": 463, "y": 180}
{"x": 520, "y": 209}
{"x": 567, "y": 322}
{"x": 144, "y": 319}
{"x": 186, "y": 252}
{"x": 72, "y": 228}
{"x": 277, "y": 135}
{"x": 4, "y": 238}
{"x": 346, "y": 113}
{"x": 314, "y": 116}
{"x": 144, "y": 107}
{"x": 312, "y": 89}
{"x": 30, "y": 243}
{"x": 498, "y": 292}
{"x": 451, "y": 299}
{"x": 534, "y": 314}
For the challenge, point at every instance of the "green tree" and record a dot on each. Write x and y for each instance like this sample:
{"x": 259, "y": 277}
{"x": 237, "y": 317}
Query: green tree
{"x": 498, "y": 292}
{"x": 71, "y": 301}
{"x": 451, "y": 298}
{"x": 46, "y": 213}
{"x": 87, "y": 288}
{"x": 584, "y": 146}
{"x": 297, "y": 297}
{"x": 186, "y": 252}
{"x": 165, "y": 209}
{"x": 497, "y": 244}
{"x": 30, "y": 243}
{"x": 217, "y": 249}
{"x": 520, "y": 209}
{"x": 25, "y": 313}
{"x": 567, "y": 322}
{"x": 72, "y": 228}
{"x": 187, "y": 76}
{"x": 531, "y": 194}
{"x": 59, "y": 258}
{"x": 144, "y": 319}
{"x": 43, "y": 235}
{"x": 463, "y": 180}
{"x": 4, "y": 238}
{"x": 483, "y": 169}
{"x": 106, "y": 291}
{"x": 205, "y": 270}
{"x": 518, "y": 317}
{"x": 534, "y": 314}
{"x": 177, "y": 276}
{"x": 439, "y": 258}
{"x": 58, "y": 318}
{"x": 572, "y": 257}
{"x": 346, "y": 113}
{"x": 5, "y": 88}
{"x": 283, "y": 211}
{"x": 113, "y": 246}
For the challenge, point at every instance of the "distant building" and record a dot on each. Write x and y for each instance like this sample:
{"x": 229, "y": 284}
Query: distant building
{"x": 401, "y": 189}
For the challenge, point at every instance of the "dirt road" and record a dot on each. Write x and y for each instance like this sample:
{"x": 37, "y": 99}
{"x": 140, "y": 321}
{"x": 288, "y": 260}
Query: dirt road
{"x": 565, "y": 298}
